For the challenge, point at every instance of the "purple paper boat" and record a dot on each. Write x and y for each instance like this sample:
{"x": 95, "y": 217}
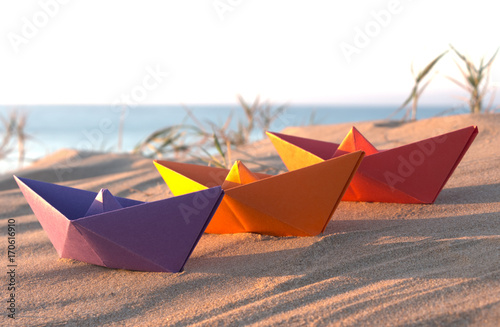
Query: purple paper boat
{"x": 115, "y": 232}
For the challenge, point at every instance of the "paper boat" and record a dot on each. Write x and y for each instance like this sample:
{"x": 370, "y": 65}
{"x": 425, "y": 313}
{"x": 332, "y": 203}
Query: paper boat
{"x": 413, "y": 173}
{"x": 115, "y": 232}
{"x": 298, "y": 203}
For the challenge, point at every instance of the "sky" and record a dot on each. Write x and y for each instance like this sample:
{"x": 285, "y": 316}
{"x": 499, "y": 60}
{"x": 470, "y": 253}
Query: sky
{"x": 197, "y": 52}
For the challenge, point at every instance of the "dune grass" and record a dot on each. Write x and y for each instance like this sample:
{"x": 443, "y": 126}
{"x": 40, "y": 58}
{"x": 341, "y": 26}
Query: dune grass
{"x": 13, "y": 136}
{"x": 208, "y": 141}
{"x": 420, "y": 84}
{"x": 476, "y": 81}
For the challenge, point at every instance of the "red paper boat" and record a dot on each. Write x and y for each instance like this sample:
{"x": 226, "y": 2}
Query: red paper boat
{"x": 413, "y": 173}
{"x": 114, "y": 232}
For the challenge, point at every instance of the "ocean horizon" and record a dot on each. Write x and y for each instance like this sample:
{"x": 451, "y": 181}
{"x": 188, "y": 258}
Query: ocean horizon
{"x": 96, "y": 127}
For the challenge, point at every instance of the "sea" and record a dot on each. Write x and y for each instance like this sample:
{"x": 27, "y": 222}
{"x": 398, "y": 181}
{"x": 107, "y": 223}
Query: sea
{"x": 106, "y": 128}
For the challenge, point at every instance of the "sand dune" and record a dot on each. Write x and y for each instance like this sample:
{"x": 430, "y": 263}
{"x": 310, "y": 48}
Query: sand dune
{"x": 377, "y": 264}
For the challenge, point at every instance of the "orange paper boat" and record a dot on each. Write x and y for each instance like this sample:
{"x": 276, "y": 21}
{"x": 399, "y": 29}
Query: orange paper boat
{"x": 298, "y": 203}
{"x": 413, "y": 173}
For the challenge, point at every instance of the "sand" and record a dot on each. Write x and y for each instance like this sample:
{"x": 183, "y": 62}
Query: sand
{"x": 375, "y": 265}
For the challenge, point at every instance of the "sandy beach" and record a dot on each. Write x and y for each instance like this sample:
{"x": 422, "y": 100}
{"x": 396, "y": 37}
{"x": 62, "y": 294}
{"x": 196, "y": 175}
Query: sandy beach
{"x": 376, "y": 264}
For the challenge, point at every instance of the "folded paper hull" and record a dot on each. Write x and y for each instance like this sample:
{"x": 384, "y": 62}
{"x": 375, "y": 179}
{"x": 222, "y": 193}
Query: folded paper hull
{"x": 413, "y": 173}
{"x": 144, "y": 236}
{"x": 298, "y": 203}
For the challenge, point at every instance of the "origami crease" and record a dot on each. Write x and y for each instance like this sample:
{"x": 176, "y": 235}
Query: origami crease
{"x": 115, "y": 232}
{"x": 299, "y": 203}
{"x": 412, "y": 173}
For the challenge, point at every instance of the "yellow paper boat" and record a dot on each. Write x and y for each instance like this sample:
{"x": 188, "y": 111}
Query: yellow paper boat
{"x": 298, "y": 203}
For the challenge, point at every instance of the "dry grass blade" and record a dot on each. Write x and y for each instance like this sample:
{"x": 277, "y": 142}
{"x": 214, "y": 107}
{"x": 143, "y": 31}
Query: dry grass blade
{"x": 476, "y": 80}
{"x": 193, "y": 118}
{"x": 21, "y": 138}
{"x": 14, "y": 128}
{"x": 219, "y": 149}
{"x": 5, "y": 147}
{"x": 7, "y": 124}
{"x": 465, "y": 87}
{"x": 428, "y": 68}
{"x": 193, "y": 138}
{"x": 423, "y": 88}
{"x": 417, "y": 90}
{"x": 167, "y": 140}
{"x": 210, "y": 159}
{"x": 407, "y": 101}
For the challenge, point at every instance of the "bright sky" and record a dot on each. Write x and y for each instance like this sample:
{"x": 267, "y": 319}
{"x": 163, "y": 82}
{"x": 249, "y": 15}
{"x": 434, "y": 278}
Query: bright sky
{"x": 159, "y": 52}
